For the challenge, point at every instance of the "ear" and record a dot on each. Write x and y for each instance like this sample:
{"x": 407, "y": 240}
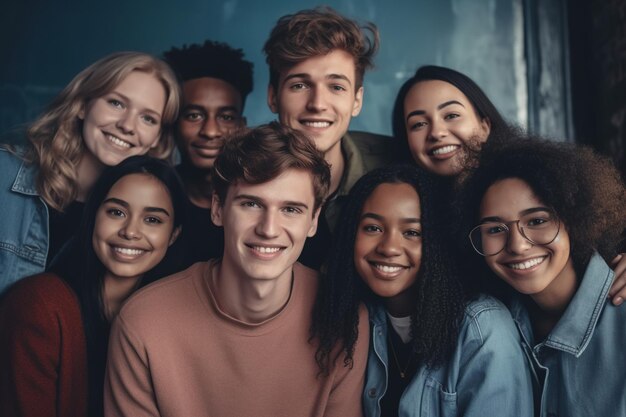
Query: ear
{"x": 175, "y": 235}
{"x": 81, "y": 112}
{"x": 485, "y": 127}
{"x": 216, "y": 210}
{"x": 271, "y": 99}
{"x": 313, "y": 228}
{"x": 358, "y": 102}
{"x": 244, "y": 122}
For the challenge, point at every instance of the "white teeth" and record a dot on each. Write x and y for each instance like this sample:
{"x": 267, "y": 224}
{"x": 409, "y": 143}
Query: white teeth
{"x": 387, "y": 269}
{"x": 444, "y": 149}
{"x": 118, "y": 141}
{"x": 317, "y": 124}
{"x": 263, "y": 249}
{"x": 128, "y": 251}
{"x": 528, "y": 264}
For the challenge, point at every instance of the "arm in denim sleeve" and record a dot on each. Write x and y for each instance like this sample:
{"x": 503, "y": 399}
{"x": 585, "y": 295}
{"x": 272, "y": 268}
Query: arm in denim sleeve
{"x": 494, "y": 377}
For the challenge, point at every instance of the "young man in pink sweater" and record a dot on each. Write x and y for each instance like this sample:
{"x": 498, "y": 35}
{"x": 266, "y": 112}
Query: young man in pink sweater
{"x": 231, "y": 337}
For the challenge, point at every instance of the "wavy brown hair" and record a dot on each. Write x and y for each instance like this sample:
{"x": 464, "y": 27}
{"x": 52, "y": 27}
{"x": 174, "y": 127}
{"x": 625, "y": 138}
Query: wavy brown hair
{"x": 56, "y": 137}
{"x": 309, "y": 33}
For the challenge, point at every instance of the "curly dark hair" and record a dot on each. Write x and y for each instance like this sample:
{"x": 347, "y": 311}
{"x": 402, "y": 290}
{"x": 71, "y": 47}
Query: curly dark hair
{"x": 212, "y": 59}
{"x": 440, "y": 299}
{"x": 483, "y": 107}
{"x": 584, "y": 190}
{"x": 309, "y": 33}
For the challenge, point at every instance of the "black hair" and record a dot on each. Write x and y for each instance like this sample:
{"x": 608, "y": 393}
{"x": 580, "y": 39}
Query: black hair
{"x": 81, "y": 268}
{"x": 584, "y": 190}
{"x": 440, "y": 298}
{"x": 482, "y": 105}
{"x": 215, "y": 60}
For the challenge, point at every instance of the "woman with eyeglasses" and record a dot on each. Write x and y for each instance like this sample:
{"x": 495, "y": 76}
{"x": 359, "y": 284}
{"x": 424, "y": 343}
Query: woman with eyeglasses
{"x": 547, "y": 217}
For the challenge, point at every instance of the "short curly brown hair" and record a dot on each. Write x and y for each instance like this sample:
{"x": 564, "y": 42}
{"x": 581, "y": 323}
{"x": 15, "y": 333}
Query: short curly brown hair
{"x": 261, "y": 154}
{"x": 309, "y": 33}
{"x": 583, "y": 188}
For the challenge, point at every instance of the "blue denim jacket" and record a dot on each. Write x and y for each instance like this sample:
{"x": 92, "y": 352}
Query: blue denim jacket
{"x": 580, "y": 368}
{"x": 486, "y": 376}
{"x": 23, "y": 221}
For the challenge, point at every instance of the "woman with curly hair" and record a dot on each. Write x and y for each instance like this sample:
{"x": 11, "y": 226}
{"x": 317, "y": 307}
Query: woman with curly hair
{"x": 125, "y": 104}
{"x": 54, "y": 326}
{"x": 548, "y": 217}
{"x": 436, "y": 348}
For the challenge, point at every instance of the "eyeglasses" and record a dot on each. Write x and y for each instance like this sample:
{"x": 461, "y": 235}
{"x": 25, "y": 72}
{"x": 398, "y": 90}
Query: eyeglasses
{"x": 539, "y": 228}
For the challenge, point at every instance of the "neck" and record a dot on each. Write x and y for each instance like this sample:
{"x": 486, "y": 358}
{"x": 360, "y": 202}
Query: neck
{"x": 198, "y": 186}
{"x": 116, "y": 290}
{"x": 337, "y": 163}
{"x": 403, "y": 304}
{"x": 249, "y": 300}
{"x": 88, "y": 170}
{"x": 550, "y": 303}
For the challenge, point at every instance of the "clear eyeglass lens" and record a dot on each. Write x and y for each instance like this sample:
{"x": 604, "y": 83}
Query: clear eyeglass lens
{"x": 539, "y": 228}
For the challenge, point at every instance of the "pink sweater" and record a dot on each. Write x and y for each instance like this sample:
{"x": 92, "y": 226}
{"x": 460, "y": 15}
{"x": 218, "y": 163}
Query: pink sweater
{"x": 172, "y": 352}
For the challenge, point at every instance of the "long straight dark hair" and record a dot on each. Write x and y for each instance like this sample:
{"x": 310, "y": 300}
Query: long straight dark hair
{"x": 440, "y": 298}
{"x": 83, "y": 270}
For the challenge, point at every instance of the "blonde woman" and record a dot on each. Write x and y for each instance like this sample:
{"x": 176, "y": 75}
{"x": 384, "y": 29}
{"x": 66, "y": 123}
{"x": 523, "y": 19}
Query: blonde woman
{"x": 125, "y": 104}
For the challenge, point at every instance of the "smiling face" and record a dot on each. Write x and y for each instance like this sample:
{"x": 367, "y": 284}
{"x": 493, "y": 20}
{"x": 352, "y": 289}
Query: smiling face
{"x": 125, "y": 121}
{"x": 134, "y": 226}
{"x": 388, "y": 246}
{"x": 319, "y": 97}
{"x": 211, "y": 110}
{"x": 440, "y": 121}
{"x": 535, "y": 270}
{"x": 265, "y": 225}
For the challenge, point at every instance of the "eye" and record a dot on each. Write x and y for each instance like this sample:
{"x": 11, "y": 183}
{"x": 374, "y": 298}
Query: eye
{"x": 115, "y": 212}
{"x": 150, "y": 120}
{"x": 372, "y": 228}
{"x": 153, "y": 220}
{"x": 494, "y": 229}
{"x": 537, "y": 221}
{"x": 250, "y": 204}
{"x": 292, "y": 210}
{"x": 413, "y": 234}
{"x": 193, "y": 116}
{"x": 115, "y": 103}
{"x": 338, "y": 87}
{"x": 418, "y": 125}
{"x": 228, "y": 118}
{"x": 298, "y": 86}
{"x": 451, "y": 116}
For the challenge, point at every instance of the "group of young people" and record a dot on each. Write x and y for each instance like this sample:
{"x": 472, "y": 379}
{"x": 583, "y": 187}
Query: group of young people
{"x": 461, "y": 268}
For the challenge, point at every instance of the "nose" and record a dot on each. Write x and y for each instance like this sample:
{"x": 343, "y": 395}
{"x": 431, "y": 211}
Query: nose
{"x": 268, "y": 226}
{"x": 389, "y": 244}
{"x": 131, "y": 230}
{"x": 211, "y": 129}
{"x": 516, "y": 242}
{"x": 126, "y": 123}
{"x": 317, "y": 100}
{"x": 438, "y": 129}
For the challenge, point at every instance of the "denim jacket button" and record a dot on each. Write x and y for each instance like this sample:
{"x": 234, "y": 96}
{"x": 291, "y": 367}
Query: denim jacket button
{"x": 371, "y": 392}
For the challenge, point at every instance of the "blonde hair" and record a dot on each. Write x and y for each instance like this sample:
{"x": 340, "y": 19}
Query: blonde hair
{"x": 56, "y": 136}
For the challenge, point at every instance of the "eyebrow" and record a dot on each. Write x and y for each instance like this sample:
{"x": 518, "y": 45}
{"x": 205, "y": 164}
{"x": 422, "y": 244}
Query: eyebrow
{"x": 439, "y": 107}
{"x": 381, "y": 218}
{"x": 522, "y": 213}
{"x": 306, "y": 76}
{"x": 125, "y": 98}
{"x": 124, "y": 204}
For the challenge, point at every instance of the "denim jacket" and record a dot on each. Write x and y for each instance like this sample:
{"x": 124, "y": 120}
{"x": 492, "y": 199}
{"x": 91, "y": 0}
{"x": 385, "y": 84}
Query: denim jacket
{"x": 580, "y": 368}
{"x": 486, "y": 375}
{"x": 23, "y": 221}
